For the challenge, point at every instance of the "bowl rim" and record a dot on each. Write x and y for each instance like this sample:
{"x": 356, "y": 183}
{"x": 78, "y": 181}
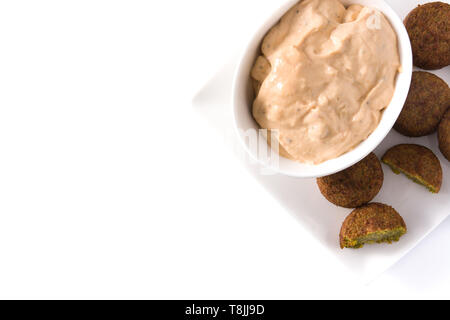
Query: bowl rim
{"x": 353, "y": 156}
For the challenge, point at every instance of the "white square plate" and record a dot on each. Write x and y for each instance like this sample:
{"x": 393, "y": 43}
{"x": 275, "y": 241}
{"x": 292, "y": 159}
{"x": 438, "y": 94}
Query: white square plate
{"x": 421, "y": 210}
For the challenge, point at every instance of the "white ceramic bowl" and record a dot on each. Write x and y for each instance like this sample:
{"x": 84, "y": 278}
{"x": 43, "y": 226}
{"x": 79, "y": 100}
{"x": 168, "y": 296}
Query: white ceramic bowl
{"x": 242, "y": 97}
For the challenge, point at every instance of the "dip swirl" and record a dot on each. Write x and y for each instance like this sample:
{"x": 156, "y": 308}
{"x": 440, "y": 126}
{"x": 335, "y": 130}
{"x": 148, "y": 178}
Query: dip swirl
{"x": 325, "y": 76}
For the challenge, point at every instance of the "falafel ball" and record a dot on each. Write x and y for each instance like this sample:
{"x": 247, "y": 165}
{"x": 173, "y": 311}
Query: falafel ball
{"x": 428, "y": 99}
{"x": 444, "y": 135}
{"x": 372, "y": 223}
{"x": 418, "y": 163}
{"x": 428, "y": 27}
{"x": 354, "y": 186}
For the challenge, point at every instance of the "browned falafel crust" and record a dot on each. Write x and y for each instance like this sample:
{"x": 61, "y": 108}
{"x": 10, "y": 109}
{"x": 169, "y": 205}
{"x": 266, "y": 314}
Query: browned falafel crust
{"x": 374, "y": 222}
{"x": 428, "y": 99}
{"x": 418, "y": 163}
{"x": 428, "y": 27}
{"x": 354, "y": 186}
{"x": 444, "y": 135}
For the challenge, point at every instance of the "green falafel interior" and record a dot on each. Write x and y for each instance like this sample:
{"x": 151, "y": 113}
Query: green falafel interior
{"x": 416, "y": 179}
{"x": 383, "y": 236}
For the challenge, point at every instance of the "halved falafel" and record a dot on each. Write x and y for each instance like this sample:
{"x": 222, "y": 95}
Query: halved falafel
{"x": 428, "y": 99}
{"x": 354, "y": 186}
{"x": 372, "y": 223}
{"x": 428, "y": 27}
{"x": 418, "y": 163}
{"x": 444, "y": 135}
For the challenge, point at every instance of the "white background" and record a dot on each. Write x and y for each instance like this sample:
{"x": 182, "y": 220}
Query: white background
{"x": 111, "y": 186}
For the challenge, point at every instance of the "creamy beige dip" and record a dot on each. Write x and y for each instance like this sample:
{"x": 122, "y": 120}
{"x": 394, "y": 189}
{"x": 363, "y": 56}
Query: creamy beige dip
{"x": 325, "y": 76}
